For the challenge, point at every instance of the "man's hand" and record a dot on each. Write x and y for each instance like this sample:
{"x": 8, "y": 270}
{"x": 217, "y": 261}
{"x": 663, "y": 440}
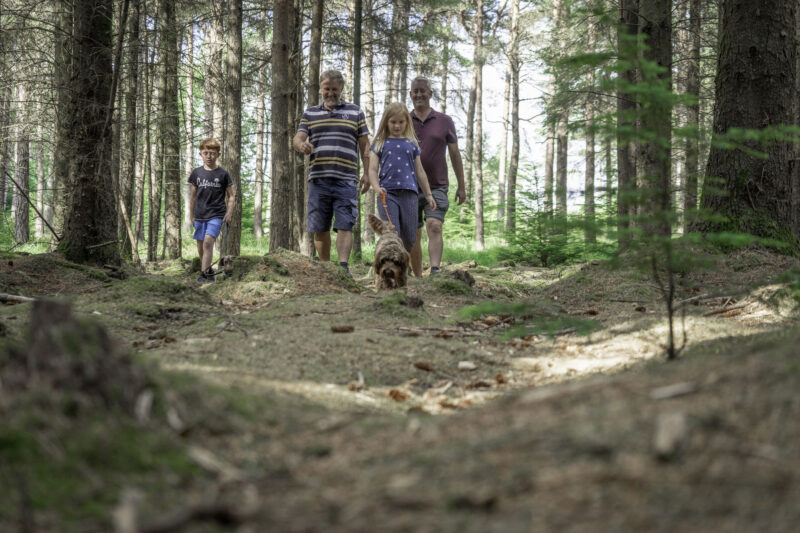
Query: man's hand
{"x": 461, "y": 195}
{"x": 306, "y": 148}
{"x": 431, "y": 202}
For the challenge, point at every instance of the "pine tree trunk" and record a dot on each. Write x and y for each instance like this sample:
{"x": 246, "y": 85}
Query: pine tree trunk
{"x": 549, "y": 156}
{"x": 514, "y": 62}
{"x": 129, "y": 128}
{"x": 91, "y": 216}
{"x": 503, "y": 159}
{"x": 478, "y": 79}
{"x": 358, "y": 7}
{"x": 656, "y": 25}
{"x": 758, "y": 191}
{"x": 40, "y": 173}
{"x": 282, "y": 175}
{"x": 214, "y": 89}
{"x": 5, "y": 144}
{"x": 261, "y": 125}
{"x": 170, "y": 131}
{"x": 300, "y": 238}
{"x": 62, "y": 71}
{"x": 367, "y": 235}
{"x": 233, "y": 123}
{"x": 188, "y": 121}
{"x": 19, "y": 206}
{"x": 692, "y": 166}
{"x": 626, "y": 108}
{"x": 155, "y": 154}
{"x": 590, "y": 232}
{"x": 562, "y": 144}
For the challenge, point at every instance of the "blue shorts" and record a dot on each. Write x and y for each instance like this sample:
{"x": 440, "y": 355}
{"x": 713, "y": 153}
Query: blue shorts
{"x": 208, "y": 227}
{"x": 332, "y": 199}
{"x": 402, "y": 207}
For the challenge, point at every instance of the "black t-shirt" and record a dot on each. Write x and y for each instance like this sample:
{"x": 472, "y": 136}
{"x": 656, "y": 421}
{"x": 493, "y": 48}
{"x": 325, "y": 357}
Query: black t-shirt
{"x": 211, "y": 186}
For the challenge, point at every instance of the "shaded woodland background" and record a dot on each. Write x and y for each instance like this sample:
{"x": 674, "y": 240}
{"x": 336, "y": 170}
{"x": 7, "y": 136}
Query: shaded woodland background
{"x": 102, "y": 105}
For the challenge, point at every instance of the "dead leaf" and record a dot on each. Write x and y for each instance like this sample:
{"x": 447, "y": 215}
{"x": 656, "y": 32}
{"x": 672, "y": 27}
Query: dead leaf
{"x": 424, "y": 365}
{"x": 443, "y": 334}
{"x": 355, "y": 386}
{"x": 398, "y": 395}
{"x": 641, "y": 308}
{"x": 500, "y": 379}
{"x": 479, "y": 384}
{"x": 342, "y": 329}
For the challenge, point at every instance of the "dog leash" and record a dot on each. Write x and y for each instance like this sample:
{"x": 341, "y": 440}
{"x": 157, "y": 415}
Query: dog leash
{"x": 386, "y": 209}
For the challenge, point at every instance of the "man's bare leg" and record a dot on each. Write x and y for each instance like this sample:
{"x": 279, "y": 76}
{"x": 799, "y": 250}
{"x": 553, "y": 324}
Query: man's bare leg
{"x": 416, "y": 255}
{"x": 435, "y": 241}
{"x": 322, "y": 242}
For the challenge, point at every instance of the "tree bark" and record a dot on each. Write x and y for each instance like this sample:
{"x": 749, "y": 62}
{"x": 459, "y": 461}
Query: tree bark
{"x": 502, "y": 167}
{"x": 282, "y": 176}
{"x": 478, "y": 152}
{"x": 514, "y": 62}
{"x": 755, "y": 88}
{"x": 129, "y": 128}
{"x": 62, "y": 70}
{"x": 214, "y": 89}
{"x": 233, "y": 123}
{"x": 367, "y": 235}
{"x": 656, "y": 26}
{"x": 91, "y": 213}
{"x": 626, "y": 108}
{"x": 590, "y": 232}
{"x": 358, "y": 7}
{"x": 40, "y": 173}
{"x": 19, "y": 207}
{"x": 691, "y": 168}
{"x": 188, "y": 121}
{"x": 170, "y": 130}
{"x": 261, "y": 120}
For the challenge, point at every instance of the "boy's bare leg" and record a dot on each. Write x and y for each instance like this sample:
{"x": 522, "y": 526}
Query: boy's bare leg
{"x": 344, "y": 244}
{"x": 435, "y": 241}
{"x": 416, "y": 255}
{"x": 200, "y": 251}
{"x": 208, "y": 252}
{"x": 322, "y": 242}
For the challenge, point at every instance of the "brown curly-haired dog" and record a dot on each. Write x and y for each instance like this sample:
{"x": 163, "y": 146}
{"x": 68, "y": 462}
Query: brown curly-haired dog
{"x": 391, "y": 258}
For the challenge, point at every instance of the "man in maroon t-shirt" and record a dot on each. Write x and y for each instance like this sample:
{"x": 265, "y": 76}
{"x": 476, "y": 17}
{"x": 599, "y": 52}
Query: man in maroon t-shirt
{"x": 436, "y": 134}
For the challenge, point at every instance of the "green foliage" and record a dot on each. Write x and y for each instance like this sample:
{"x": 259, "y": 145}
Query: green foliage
{"x": 532, "y": 318}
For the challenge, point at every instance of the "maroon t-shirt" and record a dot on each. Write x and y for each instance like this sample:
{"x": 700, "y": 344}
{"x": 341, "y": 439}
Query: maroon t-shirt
{"x": 434, "y": 135}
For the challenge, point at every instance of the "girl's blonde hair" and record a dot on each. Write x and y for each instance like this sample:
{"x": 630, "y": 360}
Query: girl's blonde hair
{"x": 395, "y": 108}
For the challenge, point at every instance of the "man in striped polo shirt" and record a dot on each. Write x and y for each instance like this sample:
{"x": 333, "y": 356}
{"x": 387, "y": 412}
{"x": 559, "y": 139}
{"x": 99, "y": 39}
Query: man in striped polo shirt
{"x": 332, "y": 134}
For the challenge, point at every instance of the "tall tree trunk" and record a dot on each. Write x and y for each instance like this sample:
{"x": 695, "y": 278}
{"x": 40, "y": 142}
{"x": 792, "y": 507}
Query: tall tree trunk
{"x": 502, "y": 167}
{"x": 758, "y": 191}
{"x": 129, "y": 128}
{"x": 445, "y": 70}
{"x": 478, "y": 80}
{"x": 367, "y": 235}
{"x": 19, "y": 206}
{"x": 282, "y": 175}
{"x": 299, "y": 234}
{"x": 590, "y": 232}
{"x": 562, "y": 144}
{"x": 656, "y": 25}
{"x": 5, "y": 138}
{"x": 233, "y": 123}
{"x": 402, "y": 56}
{"x": 514, "y": 63}
{"x": 214, "y": 90}
{"x": 314, "y": 67}
{"x": 392, "y": 52}
{"x": 627, "y": 31}
{"x": 357, "y": 38}
{"x": 62, "y": 151}
{"x": 91, "y": 217}
{"x": 170, "y": 131}
{"x": 692, "y": 166}
{"x": 261, "y": 125}
{"x": 188, "y": 121}
{"x": 40, "y": 173}
{"x": 155, "y": 157}
{"x": 609, "y": 175}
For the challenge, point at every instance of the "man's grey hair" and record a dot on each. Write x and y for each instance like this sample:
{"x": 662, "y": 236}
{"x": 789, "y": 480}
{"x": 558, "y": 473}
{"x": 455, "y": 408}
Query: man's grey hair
{"x": 424, "y": 81}
{"x": 332, "y": 75}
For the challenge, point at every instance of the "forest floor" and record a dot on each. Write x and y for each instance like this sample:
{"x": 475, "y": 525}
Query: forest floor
{"x": 291, "y": 398}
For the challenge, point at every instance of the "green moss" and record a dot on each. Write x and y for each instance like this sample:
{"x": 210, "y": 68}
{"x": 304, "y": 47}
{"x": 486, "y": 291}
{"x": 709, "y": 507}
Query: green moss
{"x": 451, "y": 286}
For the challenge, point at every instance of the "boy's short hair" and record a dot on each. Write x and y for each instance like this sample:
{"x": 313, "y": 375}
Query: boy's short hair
{"x": 211, "y": 144}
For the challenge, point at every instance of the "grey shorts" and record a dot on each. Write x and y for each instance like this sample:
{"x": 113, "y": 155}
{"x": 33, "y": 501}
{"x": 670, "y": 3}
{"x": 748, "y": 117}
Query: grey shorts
{"x": 442, "y": 204}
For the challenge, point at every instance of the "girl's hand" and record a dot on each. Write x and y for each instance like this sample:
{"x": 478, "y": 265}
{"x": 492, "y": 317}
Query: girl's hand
{"x": 431, "y": 201}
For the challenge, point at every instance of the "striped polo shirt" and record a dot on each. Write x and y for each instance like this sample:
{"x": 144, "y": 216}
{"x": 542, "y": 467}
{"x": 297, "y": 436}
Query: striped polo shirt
{"x": 334, "y": 135}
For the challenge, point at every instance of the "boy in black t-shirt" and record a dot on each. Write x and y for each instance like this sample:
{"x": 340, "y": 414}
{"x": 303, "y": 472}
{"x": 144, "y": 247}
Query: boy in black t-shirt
{"x": 211, "y": 204}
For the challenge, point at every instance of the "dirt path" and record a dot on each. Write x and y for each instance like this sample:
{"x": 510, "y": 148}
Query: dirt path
{"x": 546, "y": 431}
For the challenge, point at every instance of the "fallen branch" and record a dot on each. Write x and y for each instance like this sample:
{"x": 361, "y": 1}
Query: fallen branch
{"x": 725, "y": 310}
{"x": 103, "y": 244}
{"x": 15, "y": 298}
